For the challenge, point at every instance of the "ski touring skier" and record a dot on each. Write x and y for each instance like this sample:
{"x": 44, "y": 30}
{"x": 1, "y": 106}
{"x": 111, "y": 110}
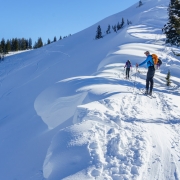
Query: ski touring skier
{"x": 128, "y": 68}
{"x": 150, "y": 73}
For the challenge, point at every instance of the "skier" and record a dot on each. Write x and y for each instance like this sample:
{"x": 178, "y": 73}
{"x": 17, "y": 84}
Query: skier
{"x": 128, "y": 66}
{"x": 150, "y": 73}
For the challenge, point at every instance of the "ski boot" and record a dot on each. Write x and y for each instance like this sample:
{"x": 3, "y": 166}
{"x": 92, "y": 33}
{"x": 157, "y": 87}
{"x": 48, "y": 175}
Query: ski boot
{"x": 146, "y": 92}
{"x": 150, "y": 93}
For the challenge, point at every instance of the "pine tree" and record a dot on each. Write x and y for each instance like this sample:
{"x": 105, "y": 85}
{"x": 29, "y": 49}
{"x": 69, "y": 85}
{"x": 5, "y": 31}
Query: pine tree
{"x": 0, "y": 49}
{"x": 48, "y": 41}
{"x": 114, "y": 28}
{"x": 30, "y": 43}
{"x": 19, "y": 44}
{"x": 122, "y": 23}
{"x": 8, "y": 46}
{"x": 27, "y": 44}
{"x": 177, "y": 18}
{"x": 3, "y": 44}
{"x": 23, "y": 44}
{"x": 55, "y": 39}
{"x": 12, "y": 44}
{"x": 16, "y": 44}
{"x": 140, "y": 3}
{"x": 168, "y": 81}
{"x": 35, "y": 45}
{"x": 108, "y": 29}
{"x": 60, "y": 38}
{"x": 0, "y": 52}
{"x": 118, "y": 26}
{"x": 172, "y": 28}
{"x": 98, "y": 33}
{"x": 39, "y": 43}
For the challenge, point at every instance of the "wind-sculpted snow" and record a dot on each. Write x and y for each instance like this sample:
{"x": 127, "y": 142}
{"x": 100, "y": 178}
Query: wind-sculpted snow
{"x": 55, "y": 107}
{"x": 67, "y": 111}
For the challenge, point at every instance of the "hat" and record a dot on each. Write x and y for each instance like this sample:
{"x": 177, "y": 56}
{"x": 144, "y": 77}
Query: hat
{"x": 147, "y": 52}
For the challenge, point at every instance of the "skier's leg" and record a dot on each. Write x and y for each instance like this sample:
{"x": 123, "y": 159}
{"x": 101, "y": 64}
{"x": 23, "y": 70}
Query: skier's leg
{"x": 147, "y": 85}
{"x": 126, "y": 72}
{"x": 151, "y": 75}
{"x": 147, "y": 82}
{"x": 151, "y": 86}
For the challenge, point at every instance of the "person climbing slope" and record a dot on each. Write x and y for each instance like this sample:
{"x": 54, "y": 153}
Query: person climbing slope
{"x": 127, "y": 66}
{"x": 150, "y": 73}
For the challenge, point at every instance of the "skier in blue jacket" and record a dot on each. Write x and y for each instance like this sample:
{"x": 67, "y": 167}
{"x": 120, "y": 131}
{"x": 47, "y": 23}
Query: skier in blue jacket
{"x": 150, "y": 73}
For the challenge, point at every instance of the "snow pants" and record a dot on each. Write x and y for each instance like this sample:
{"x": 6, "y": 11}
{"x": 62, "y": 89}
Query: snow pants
{"x": 127, "y": 72}
{"x": 149, "y": 78}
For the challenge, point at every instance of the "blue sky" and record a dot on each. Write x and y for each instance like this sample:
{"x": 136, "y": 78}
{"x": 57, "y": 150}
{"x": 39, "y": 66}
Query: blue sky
{"x": 46, "y": 19}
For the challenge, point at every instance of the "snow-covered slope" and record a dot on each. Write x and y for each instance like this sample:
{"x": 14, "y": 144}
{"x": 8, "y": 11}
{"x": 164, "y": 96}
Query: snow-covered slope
{"x": 66, "y": 111}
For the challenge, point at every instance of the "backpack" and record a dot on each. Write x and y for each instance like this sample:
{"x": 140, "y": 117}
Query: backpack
{"x": 159, "y": 62}
{"x": 155, "y": 59}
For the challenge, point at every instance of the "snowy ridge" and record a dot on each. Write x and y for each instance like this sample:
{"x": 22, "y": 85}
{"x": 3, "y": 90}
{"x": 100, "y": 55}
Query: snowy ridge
{"x": 67, "y": 112}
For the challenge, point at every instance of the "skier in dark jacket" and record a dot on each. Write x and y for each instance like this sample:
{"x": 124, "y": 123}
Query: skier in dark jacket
{"x": 127, "y": 66}
{"x": 150, "y": 73}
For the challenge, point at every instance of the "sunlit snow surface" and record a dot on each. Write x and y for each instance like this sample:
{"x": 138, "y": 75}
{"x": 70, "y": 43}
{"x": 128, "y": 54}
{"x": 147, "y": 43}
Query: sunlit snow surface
{"x": 68, "y": 113}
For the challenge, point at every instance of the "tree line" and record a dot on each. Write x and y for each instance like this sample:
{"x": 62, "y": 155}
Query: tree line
{"x": 115, "y": 28}
{"x": 20, "y": 44}
{"x": 15, "y": 44}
